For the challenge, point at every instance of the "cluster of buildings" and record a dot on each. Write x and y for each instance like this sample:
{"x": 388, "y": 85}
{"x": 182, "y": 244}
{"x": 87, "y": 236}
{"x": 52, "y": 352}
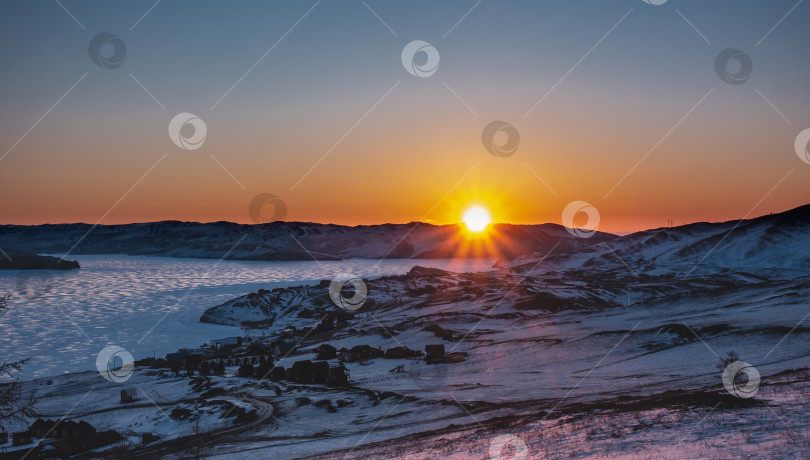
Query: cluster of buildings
{"x": 229, "y": 351}
{"x": 433, "y": 354}
{"x": 318, "y": 372}
{"x": 61, "y": 439}
{"x": 206, "y": 361}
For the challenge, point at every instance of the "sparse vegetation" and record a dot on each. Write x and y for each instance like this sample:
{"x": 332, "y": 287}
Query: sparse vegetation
{"x": 730, "y": 357}
{"x": 14, "y": 406}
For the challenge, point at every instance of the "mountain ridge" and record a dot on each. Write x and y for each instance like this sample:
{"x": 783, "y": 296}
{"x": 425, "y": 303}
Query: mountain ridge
{"x": 290, "y": 240}
{"x": 513, "y": 244}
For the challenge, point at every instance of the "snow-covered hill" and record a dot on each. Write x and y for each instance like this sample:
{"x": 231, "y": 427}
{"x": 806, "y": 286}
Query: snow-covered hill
{"x": 773, "y": 242}
{"x": 291, "y": 240}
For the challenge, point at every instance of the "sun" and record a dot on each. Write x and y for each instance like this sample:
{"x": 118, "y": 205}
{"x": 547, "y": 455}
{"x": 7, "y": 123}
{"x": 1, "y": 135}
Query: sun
{"x": 476, "y": 218}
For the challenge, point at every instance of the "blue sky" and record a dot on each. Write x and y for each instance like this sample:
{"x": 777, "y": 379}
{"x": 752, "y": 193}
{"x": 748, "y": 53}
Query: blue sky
{"x": 617, "y": 76}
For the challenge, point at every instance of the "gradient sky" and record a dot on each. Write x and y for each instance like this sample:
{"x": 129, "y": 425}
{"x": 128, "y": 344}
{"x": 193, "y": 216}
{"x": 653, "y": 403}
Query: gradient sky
{"x": 410, "y": 158}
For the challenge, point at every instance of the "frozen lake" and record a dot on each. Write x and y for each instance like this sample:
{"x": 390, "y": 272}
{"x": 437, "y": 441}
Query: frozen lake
{"x": 148, "y": 305}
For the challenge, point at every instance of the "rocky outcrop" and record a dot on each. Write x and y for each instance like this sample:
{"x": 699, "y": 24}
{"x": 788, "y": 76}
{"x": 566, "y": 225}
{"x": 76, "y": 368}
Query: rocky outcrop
{"x": 13, "y": 260}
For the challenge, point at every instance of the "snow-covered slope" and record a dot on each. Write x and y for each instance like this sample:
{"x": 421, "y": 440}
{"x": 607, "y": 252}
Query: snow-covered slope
{"x": 778, "y": 241}
{"x": 617, "y": 341}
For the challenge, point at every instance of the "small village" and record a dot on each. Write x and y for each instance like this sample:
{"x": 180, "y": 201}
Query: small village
{"x": 250, "y": 358}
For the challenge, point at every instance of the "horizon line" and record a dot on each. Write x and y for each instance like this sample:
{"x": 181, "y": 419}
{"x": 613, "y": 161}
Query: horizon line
{"x": 619, "y": 233}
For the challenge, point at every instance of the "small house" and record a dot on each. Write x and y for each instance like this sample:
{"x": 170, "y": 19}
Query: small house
{"x": 345, "y": 355}
{"x": 365, "y": 352}
{"x": 21, "y": 438}
{"x": 283, "y": 349}
{"x": 401, "y": 353}
{"x": 128, "y": 395}
{"x": 325, "y": 352}
{"x": 360, "y": 353}
{"x": 289, "y": 374}
{"x": 66, "y": 429}
{"x": 319, "y": 372}
{"x": 192, "y": 361}
{"x": 175, "y": 360}
{"x": 338, "y": 376}
{"x": 145, "y": 362}
{"x": 277, "y": 373}
{"x": 40, "y": 427}
{"x": 264, "y": 370}
{"x": 69, "y": 447}
{"x": 227, "y": 342}
{"x": 302, "y": 371}
{"x": 70, "y": 429}
{"x": 85, "y": 428}
{"x": 434, "y": 353}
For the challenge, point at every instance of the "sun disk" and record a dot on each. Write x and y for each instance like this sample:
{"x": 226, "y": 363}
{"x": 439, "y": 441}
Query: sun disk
{"x": 476, "y": 218}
